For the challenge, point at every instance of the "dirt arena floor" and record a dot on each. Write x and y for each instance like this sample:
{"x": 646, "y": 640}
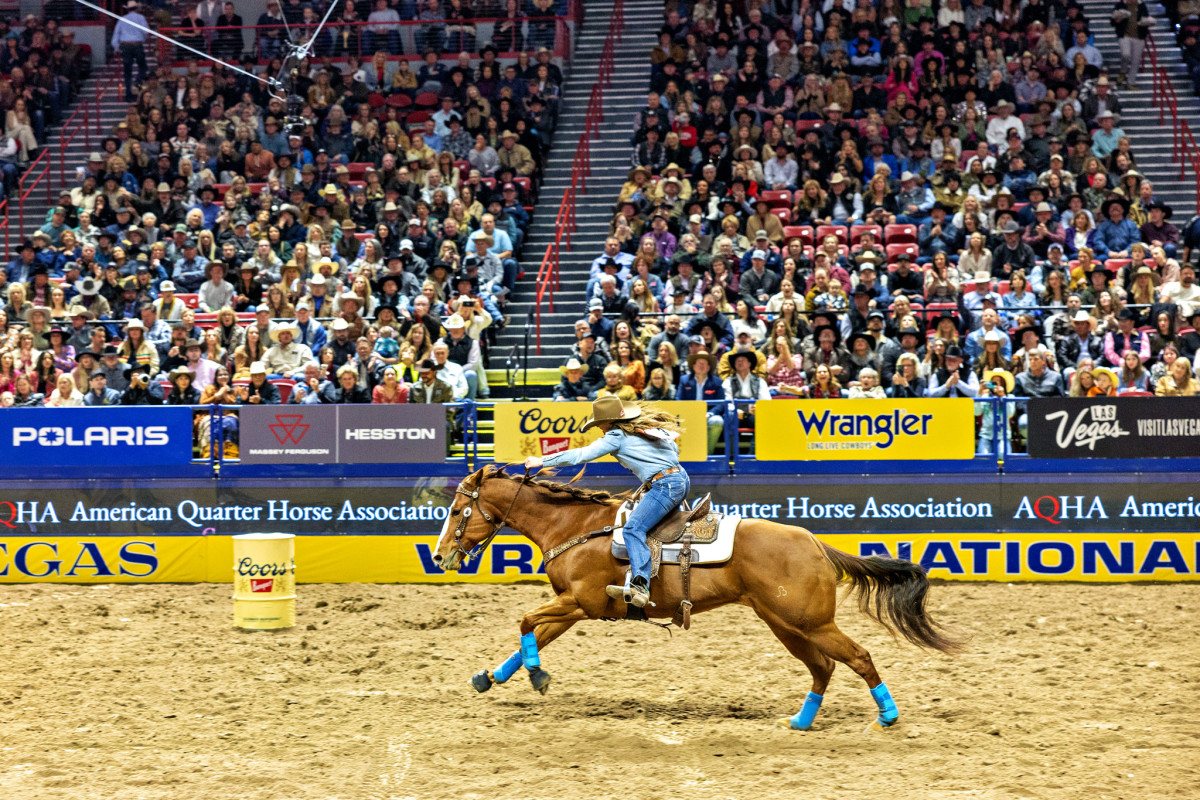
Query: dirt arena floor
{"x": 133, "y": 692}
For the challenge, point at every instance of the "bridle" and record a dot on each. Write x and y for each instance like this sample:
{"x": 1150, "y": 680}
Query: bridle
{"x": 465, "y": 517}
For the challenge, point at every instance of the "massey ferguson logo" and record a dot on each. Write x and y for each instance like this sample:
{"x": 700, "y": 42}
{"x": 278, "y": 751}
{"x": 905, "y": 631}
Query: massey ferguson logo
{"x": 262, "y": 585}
{"x": 552, "y": 445}
{"x": 1091, "y": 425}
{"x": 289, "y": 428}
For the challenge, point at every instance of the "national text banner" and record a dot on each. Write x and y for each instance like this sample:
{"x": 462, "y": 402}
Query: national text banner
{"x": 545, "y": 429}
{"x": 867, "y": 430}
{"x": 1100, "y": 557}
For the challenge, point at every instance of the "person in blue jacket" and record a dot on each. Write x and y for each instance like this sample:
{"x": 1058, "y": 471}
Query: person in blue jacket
{"x": 702, "y": 383}
{"x": 642, "y": 439}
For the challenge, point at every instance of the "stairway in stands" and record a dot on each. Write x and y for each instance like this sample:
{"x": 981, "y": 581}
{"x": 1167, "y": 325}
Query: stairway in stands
{"x": 1139, "y": 115}
{"x": 112, "y": 111}
{"x": 610, "y": 165}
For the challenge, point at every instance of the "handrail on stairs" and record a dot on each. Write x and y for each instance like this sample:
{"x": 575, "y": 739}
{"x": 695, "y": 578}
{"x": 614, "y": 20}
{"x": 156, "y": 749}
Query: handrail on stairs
{"x": 1184, "y": 150}
{"x": 548, "y": 276}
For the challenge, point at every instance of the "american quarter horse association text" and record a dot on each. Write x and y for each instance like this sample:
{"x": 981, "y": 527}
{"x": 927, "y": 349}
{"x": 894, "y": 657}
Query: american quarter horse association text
{"x": 784, "y": 573}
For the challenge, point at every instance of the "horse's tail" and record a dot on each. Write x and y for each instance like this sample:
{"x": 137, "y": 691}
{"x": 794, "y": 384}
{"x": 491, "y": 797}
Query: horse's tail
{"x": 892, "y": 591}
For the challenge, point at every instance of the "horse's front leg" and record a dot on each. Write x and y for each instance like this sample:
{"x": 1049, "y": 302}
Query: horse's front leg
{"x": 538, "y": 628}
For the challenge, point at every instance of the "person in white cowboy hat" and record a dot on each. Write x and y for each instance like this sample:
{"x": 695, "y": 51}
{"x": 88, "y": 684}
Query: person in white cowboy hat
{"x": 350, "y": 308}
{"x": 90, "y": 299}
{"x": 465, "y": 352}
{"x": 169, "y": 307}
{"x": 642, "y": 439}
{"x": 571, "y": 387}
{"x": 287, "y": 358}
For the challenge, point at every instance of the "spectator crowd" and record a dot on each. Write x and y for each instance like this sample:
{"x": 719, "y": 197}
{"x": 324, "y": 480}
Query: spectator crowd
{"x": 859, "y": 199}
{"x": 217, "y": 250}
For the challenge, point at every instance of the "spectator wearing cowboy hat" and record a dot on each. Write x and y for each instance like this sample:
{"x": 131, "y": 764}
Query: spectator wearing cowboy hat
{"x": 287, "y": 358}
{"x": 743, "y": 384}
{"x": 259, "y": 390}
{"x": 90, "y": 299}
{"x": 429, "y": 388}
{"x": 215, "y": 292}
{"x": 1080, "y": 344}
{"x": 1158, "y": 231}
{"x": 203, "y": 370}
{"x": 168, "y": 307}
{"x": 183, "y": 393}
{"x": 1117, "y": 233}
{"x": 141, "y": 389}
{"x": 701, "y": 383}
{"x": 954, "y": 378}
{"x": 571, "y": 387}
{"x": 1126, "y": 337}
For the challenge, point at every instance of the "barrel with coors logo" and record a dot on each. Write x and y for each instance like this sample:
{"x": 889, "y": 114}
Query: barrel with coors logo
{"x": 264, "y": 580}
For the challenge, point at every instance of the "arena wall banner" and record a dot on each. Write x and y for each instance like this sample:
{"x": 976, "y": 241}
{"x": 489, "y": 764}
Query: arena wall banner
{"x": 544, "y": 429}
{"x": 1114, "y": 427}
{"x": 1124, "y": 527}
{"x": 838, "y": 430}
{"x": 89, "y": 437}
{"x": 350, "y": 434}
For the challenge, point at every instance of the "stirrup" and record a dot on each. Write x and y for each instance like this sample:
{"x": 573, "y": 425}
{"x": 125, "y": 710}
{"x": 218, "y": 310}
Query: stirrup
{"x": 632, "y": 595}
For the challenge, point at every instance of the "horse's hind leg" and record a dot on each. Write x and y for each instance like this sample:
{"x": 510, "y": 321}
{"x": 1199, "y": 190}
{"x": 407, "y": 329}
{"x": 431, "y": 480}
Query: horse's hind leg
{"x": 821, "y": 667}
{"x": 840, "y": 647}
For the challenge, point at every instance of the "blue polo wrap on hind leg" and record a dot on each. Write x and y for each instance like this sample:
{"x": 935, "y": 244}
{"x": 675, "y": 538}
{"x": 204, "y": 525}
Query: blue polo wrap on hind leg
{"x": 804, "y": 719}
{"x": 506, "y": 670}
{"x": 529, "y": 651}
{"x": 888, "y": 713}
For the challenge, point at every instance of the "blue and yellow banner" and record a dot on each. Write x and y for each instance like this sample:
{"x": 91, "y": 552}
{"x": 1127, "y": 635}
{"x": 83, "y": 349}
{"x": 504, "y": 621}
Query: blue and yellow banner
{"x": 866, "y": 430}
{"x": 1098, "y": 558}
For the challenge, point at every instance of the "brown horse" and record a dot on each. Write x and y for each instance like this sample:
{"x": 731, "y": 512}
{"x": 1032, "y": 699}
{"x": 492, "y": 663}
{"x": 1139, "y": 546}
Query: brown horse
{"x": 784, "y": 573}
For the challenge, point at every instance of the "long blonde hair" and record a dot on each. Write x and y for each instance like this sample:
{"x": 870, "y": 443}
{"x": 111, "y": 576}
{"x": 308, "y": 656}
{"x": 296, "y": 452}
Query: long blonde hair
{"x": 650, "y": 417}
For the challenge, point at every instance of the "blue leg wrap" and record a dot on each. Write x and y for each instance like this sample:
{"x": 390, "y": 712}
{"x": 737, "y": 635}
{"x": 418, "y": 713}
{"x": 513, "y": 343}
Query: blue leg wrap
{"x": 804, "y": 719}
{"x": 888, "y": 714}
{"x": 506, "y": 670}
{"x": 529, "y": 651}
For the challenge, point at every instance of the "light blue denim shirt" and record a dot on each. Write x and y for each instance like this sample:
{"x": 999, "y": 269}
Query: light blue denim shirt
{"x": 643, "y": 457}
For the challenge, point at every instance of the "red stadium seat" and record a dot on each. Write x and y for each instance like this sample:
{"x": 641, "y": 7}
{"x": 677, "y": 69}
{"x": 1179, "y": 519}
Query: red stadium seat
{"x": 255, "y": 188}
{"x": 221, "y": 188}
{"x": 784, "y": 214}
{"x": 399, "y": 101}
{"x": 894, "y": 250}
{"x": 416, "y": 118}
{"x": 840, "y": 231}
{"x": 489, "y": 182}
{"x": 358, "y": 169}
{"x": 803, "y": 232}
{"x": 362, "y": 237}
{"x": 898, "y": 234}
{"x": 190, "y": 300}
{"x": 1117, "y": 263}
{"x": 1003, "y": 288}
{"x": 1135, "y": 393}
{"x": 426, "y": 100}
{"x": 781, "y": 198}
{"x": 804, "y": 125}
{"x": 858, "y": 230}
{"x": 285, "y": 388}
{"x": 376, "y": 100}
{"x": 524, "y": 183}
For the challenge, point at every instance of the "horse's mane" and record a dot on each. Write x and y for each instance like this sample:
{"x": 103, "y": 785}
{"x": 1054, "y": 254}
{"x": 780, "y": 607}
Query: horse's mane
{"x": 598, "y": 496}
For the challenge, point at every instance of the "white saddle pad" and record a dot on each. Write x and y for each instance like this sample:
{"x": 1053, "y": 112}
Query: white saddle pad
{"x": 720, "y": 549}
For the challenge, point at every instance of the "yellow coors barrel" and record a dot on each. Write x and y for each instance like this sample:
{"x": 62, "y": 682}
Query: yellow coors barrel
{"x": 264, "y": 580}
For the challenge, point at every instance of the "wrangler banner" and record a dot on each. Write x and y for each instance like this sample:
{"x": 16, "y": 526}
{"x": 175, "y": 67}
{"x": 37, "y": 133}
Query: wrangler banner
{"x": 544, "y": 429}
{"x": 844, "y": 430}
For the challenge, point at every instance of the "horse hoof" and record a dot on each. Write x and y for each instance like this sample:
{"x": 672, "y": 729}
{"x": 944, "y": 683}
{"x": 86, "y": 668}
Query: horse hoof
{"x": 877, "y": 727}
{"x": 481, "y": 681}
{"x": 786, "y": 723}
{"x": 540, "y": 680}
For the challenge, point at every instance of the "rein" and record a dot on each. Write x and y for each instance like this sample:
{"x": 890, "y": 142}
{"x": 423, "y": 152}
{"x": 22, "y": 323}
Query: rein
{"x": 465, "y": 518}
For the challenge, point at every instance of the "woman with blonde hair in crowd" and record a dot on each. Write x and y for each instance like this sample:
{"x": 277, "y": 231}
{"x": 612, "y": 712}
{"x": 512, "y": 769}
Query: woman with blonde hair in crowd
{"x": 66, "y": 394}
{"x": 1082, "y": 380}
{"x": 136, "y": 350}
{"x": 976, "y": 257}
{"x": 824, "y": 386}
{"x": 667, "y": 360}
{"x": 1179, "y": 381}
{"x": 657, "y": 386}
{"x": 639, "y": 294}
{"x": 418, "y": 339}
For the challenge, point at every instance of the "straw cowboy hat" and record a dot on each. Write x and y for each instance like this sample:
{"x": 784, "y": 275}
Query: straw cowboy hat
{"x": 1112, "y": 376}
{"x": 1000, "y": 374}
{"x": 570, "y": 365}
{"x": 610, "y": 409}
{"x": 179, "y": 372}
{"x": 290, "y": 327}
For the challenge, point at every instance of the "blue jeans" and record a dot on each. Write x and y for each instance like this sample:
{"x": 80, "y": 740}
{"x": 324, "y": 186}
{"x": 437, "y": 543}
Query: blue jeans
{"x": 664, "y": 496}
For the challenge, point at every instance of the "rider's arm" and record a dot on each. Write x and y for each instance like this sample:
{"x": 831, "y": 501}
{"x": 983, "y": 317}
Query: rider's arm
{"x": 605, "y": 445}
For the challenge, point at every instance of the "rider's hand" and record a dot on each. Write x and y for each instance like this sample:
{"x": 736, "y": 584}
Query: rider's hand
{"x": 532, "y": 463}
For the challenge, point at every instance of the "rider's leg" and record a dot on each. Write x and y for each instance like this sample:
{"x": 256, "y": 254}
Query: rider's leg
{"x": 662, "y": 498}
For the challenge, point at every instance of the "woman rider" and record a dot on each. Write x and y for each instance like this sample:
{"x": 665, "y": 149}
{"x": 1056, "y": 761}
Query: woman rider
{"x": 642, "y": 439}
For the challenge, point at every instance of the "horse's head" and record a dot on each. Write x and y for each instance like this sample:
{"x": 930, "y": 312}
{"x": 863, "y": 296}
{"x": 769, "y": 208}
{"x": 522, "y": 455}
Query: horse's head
{"x": 472, "y": 522}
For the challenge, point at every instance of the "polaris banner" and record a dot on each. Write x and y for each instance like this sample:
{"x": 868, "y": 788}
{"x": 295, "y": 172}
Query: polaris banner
{"x": 1114, "y": 427}
{"x": 349, "y": 434}
{"x": 96, "y": 437}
